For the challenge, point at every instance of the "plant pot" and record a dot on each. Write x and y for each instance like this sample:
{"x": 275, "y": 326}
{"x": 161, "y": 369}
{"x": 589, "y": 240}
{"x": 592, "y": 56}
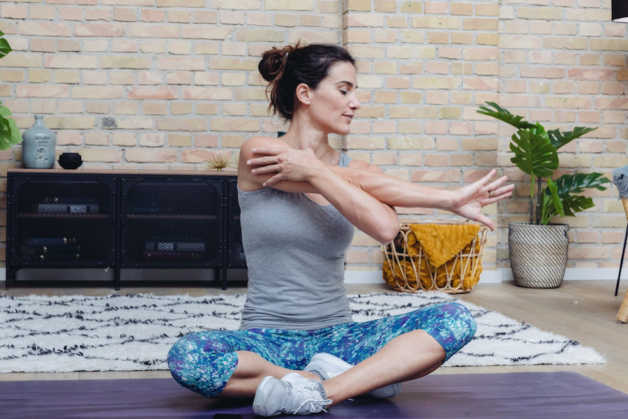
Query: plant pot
{"x": 538, "y": 254}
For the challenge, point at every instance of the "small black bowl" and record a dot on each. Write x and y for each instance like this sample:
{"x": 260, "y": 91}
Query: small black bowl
{"x": 70, "y": 160}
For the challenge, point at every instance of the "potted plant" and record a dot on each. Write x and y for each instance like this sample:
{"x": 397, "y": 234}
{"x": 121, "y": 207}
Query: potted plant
{"x": 538, "y": 249}
{"x": 9, "y": 132}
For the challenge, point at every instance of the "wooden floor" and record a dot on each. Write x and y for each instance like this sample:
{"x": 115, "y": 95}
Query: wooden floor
{"x": 581, "y": 310}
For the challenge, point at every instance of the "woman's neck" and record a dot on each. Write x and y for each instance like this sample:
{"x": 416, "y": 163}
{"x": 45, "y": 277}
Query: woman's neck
{"x": 303, "y": 136}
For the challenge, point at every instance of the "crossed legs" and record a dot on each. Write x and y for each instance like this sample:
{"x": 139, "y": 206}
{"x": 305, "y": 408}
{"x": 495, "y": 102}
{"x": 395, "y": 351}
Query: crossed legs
{"x": 406, "y": 357}
{"x": 250, "y": 371}
{"x": 385, "y": 351}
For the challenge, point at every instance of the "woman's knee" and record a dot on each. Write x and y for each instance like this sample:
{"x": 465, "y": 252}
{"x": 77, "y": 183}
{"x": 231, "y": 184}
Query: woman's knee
{"x": 178, "y": 353}
{"x": 463, "y": 321}
{"x": 202, "y": 362}
{"x": 181, "y": 356}
{"x": 450, "y": 324}
{"x": 457, "y": 328}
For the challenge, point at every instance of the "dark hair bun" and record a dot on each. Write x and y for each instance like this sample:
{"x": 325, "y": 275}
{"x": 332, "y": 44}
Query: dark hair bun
{"x": 273, "y": 62}
{"x": 284, "y": 68}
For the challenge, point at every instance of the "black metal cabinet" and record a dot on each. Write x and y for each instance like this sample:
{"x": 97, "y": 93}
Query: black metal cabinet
{"x": 61, "y": 219}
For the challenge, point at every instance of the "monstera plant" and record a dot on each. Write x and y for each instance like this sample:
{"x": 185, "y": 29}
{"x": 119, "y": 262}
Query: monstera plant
{"x": 9, "y": 132}
{"x": 534, "y": 247}
{"x": 536, "y": 153}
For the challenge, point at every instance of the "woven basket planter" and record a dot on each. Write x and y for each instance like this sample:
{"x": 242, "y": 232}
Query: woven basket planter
{"x": 538, "y": 254}
{"x": 408, "y": 268}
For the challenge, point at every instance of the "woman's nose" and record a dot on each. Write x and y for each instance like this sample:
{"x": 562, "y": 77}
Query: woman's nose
{"x": 355, "y": 103}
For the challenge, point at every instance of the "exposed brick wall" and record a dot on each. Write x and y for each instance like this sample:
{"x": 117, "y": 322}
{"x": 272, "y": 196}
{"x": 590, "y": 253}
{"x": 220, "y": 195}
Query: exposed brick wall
{"x": 424, "y": 67}
{"x": 563, "y": 63}
{"x": 161, "y": 83}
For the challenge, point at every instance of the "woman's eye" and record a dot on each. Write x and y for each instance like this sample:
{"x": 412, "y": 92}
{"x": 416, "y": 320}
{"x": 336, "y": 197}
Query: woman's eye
{"x": 344, "y": 92}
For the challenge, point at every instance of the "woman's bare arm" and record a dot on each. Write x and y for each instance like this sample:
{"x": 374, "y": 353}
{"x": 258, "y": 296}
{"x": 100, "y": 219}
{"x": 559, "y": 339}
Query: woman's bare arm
{"x": 466, "y": 201}
{"x": 303, "y": 172}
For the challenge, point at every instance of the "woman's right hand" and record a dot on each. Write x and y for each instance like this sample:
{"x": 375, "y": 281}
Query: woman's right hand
{"x": 470, "y": 199}
{"x": 285, "y": 164}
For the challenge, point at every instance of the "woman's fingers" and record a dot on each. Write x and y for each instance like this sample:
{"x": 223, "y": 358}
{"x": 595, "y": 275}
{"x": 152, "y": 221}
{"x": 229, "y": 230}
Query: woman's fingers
{"x": 484, "y": 180}
{"x": 481, "y": 218}
{"x": 482, "y": 185}
{"x": 265, "y": 170}
{"x": 260, "y": 161}
{"x": 493, "y": 199}
{"x": 503, "y": 190}
{"x": 496, "y": 184}
{"x": 273, "y": 180}
{"x": 492, "y": 187}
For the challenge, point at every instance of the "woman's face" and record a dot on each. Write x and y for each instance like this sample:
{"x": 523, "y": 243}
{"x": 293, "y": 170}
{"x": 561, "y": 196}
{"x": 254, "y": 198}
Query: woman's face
{"x": 334, "y": 101}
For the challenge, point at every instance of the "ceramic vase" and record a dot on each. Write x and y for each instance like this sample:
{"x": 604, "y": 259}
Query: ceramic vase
{"x": 38, "y": 146}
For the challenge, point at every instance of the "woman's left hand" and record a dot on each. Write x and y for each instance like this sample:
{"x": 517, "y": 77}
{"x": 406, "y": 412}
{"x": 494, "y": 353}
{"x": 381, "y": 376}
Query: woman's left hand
{"x": 469, "y": 200}
{"x": 285, "y": 163}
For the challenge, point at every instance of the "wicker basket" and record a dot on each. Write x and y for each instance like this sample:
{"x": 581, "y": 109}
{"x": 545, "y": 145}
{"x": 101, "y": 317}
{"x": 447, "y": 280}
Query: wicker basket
{"x": 538, "y": 254}
{"x": 407, "y": 267}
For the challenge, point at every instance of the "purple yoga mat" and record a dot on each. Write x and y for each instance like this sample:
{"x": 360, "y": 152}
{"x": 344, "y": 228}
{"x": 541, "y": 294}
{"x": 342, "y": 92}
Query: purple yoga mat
{"x": 561, "y": 395}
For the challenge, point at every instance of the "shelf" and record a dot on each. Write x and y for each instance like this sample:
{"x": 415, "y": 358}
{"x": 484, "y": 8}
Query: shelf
{"x": 86, "y": 263}
{"x": 64, "y": 216}
{"x": 171, "y": 217}
{"x": 171, "y": 264}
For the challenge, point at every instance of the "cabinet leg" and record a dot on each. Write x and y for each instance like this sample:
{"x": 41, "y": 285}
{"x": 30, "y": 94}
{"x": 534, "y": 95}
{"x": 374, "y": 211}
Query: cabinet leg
{"x": 216, "y": 275}
{"x": 9, "y": 280}
{"x": 116, "y": 278}
{"x": 223, "y": 275}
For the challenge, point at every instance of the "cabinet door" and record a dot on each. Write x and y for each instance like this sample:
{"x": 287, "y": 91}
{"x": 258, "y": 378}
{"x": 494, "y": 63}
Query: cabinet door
{"x": 62, "y": 220}
{"x": 171, "y": 221}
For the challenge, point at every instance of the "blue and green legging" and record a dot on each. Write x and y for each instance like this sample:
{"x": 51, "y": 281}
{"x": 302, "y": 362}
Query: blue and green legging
{"x": 204, "y": 361}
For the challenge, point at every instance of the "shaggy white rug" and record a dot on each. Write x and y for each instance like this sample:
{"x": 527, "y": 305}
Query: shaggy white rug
{"x": 135, "y": 332}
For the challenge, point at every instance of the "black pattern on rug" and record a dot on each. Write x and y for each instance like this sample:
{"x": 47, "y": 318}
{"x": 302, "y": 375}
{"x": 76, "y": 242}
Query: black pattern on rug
{"x": 135, "y": 331}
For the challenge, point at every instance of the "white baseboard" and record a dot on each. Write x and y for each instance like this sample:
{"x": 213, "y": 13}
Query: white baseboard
{"x": 488, "y": 276}
{"x": 500, "y": 275}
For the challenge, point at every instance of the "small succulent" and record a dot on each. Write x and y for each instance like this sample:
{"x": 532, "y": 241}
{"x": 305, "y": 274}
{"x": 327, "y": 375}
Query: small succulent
{"x": 219, "y": 160}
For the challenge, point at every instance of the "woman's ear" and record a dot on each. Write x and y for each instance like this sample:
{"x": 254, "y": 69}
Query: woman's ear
{"x": 304, "y": 93}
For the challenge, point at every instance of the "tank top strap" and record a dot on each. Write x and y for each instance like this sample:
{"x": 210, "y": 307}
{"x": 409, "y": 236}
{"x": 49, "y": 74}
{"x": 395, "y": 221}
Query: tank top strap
{"x": 344, "y": 159}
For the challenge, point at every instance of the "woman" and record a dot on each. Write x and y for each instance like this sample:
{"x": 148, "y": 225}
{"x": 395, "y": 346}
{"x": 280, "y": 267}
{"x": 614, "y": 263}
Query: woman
{"x": 298, "y": 351}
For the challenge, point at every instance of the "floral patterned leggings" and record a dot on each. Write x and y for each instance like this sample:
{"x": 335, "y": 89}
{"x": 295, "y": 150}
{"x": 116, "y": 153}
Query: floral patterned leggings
{"x": 204, "y": 361}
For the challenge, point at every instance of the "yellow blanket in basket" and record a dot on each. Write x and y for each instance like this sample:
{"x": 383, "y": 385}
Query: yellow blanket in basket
{"x": 441, "y": 242}
{"x": 432, "y": 262}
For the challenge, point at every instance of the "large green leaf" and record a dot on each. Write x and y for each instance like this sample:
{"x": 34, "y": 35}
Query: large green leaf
{"x": 5, "y": 48}
{"x": 578, "y": 182}
{"x": 559, "y": 139}
{"x": 534, "y": 153}
{"x": 551, "y": 201}
{"x": 576, "y": 203}
{"x": 503, "y": 114}
{"x": 568, "y": 186}
{"x": 9, "y": 132}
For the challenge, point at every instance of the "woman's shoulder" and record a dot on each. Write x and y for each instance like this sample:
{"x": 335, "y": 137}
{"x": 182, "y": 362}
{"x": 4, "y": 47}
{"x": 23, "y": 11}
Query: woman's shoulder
{"x": 246, "y": 181}
{"x": 260, "y": 141}
{"x": 257, "y": 139}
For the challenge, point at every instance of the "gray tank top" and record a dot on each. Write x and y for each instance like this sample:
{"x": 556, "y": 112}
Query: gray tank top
{"x": 295, "y": 250}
